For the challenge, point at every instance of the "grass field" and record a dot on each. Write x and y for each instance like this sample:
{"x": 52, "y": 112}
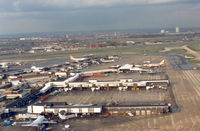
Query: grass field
{"x": 133, "y": 49}
{"x": 159, "y": 38}
{"x": 195, "y": 46}
{"x": 181, "y": 51}
{"x": 13, "y": 45}
{"x": 189, "y": 55}
{"x": 198, "y": 68}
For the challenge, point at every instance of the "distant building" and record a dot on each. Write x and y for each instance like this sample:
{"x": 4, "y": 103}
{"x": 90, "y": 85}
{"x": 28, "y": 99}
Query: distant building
{"x": 22, "y": 38}
{"x": 130, "y": 42}
{"x": 162, "y": 31}
{"x": 67, "y": 36}
{"x": 115, "y": 34}
{"x": 177, "y": 30}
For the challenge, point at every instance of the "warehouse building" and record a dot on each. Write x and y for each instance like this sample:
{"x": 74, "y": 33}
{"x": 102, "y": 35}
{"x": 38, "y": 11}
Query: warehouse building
{"x": 56, "y": 108}
{"x": 90, "y": 109}
{"x": 115, "y": 84}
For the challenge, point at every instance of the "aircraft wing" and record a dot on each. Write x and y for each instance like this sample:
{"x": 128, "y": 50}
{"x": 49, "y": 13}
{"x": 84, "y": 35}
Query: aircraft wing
{"x": 22, "y": 122}
{"x": 30, "y": 125}
{"x": 49, "y": 122}
{"x": 15, "y": 123}
{"x": 43, "y": 122}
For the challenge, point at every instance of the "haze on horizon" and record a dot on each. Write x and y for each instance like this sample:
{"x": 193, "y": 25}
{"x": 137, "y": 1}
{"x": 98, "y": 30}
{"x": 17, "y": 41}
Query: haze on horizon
{"x": 21, "y": 16}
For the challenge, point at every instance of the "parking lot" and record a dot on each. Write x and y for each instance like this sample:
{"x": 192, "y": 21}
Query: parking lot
{"x": 105, "y": 97}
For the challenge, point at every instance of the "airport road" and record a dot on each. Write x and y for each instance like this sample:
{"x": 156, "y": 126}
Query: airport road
{"x": 186, "y": 87}
{"x": 194, "y": 53}
{"x": 18, "y": 128}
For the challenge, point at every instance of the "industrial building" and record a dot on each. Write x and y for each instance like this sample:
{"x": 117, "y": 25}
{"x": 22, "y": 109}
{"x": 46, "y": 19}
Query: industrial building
{"x": 177, "y": 30}
{"x": 70, "y": 83}
{"x": 90, "y": 109}
{"x": 58, "y": 107}
{"x": 115, "y": 84}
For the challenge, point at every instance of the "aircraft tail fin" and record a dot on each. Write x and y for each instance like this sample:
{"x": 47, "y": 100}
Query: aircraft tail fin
{"x": 71, "y": 57}
{"x": 162, "y": 62}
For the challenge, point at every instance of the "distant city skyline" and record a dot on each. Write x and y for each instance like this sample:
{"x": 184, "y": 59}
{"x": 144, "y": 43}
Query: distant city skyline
{"x": 21, "y": 16}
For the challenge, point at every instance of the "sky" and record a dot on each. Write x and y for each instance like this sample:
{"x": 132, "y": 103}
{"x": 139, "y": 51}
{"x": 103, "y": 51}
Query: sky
{"x": 25, "y": 16}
